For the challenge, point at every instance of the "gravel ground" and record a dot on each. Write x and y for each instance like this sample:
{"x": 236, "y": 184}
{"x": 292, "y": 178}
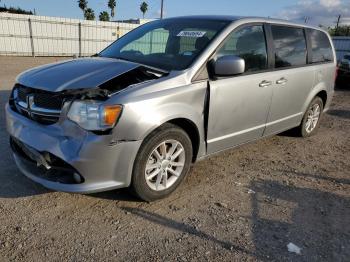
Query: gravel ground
{"x": 246, "y": 204}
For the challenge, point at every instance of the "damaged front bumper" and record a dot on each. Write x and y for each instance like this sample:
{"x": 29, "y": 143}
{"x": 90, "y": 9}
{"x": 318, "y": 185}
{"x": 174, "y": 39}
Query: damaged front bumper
{"x": 64, "y": 157}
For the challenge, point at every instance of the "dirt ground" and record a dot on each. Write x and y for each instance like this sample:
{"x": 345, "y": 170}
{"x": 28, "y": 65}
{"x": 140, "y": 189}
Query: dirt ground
{"x": 246, "y": 204}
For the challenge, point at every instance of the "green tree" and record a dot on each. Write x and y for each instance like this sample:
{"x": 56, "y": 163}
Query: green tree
{"x": 144, "y": 8}
{"x": 342, "y": 30}
{"x": 112, "y": 4}
{"x": 89, "y": 14}
{"x": 83, "y": 5}
{"x": 104, "y": 16}
{"x": 14, "y": 10}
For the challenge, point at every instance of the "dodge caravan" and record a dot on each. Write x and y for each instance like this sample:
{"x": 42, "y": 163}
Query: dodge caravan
{"x": 165, "y": 95}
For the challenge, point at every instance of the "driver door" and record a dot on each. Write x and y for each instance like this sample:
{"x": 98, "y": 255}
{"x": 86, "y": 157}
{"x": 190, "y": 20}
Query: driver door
{"x": 239, "y": 105}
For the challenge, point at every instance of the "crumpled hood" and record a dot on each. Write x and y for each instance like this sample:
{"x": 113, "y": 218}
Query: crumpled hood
{"x": 75, "y": 74}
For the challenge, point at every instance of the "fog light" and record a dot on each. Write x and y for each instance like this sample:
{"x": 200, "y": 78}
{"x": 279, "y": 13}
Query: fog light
{"x": 77, "y": 178}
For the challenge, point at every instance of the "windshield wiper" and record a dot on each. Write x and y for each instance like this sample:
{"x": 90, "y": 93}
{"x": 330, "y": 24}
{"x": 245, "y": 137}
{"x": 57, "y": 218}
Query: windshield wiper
{"x": 145, "y": 65}
{"x": 124, "y": 59}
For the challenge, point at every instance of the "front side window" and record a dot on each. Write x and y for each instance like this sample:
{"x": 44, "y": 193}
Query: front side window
{"x": 290, "y": 46}
{"x": 321, "y": 47}
{"x": 169, "y": 44}
{"x": 249, "y": 44}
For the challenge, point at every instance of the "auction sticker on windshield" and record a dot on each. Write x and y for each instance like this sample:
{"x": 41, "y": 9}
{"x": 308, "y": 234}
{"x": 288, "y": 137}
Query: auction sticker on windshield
{"x": 196, "y": 34}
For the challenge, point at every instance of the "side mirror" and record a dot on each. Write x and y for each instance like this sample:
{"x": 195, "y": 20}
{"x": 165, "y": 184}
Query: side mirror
{"x": 229, "y": 65}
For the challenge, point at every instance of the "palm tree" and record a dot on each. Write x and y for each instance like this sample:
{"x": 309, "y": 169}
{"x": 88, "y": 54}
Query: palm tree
{"x": 89, "y": 14}
{"x": 104, "y": 16}
{"x": 83, "y": 5}
{"x": 144, "y": 8}
{"x": 112, "y": 4}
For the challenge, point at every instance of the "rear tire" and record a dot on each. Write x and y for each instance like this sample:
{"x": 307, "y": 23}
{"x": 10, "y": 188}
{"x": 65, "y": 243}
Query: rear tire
{"x": 162, "y": 163}
{"x": 311, "y": 120}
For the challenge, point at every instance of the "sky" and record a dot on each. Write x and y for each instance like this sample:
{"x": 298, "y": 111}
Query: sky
{"x": 323, "y": 12}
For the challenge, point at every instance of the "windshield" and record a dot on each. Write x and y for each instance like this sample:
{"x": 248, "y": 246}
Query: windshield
{"x": 170, "y": 44}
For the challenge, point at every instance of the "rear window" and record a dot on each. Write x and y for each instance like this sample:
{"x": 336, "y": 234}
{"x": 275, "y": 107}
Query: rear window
{"x": 321, "y": 47}
{"x": 290, "y": 46}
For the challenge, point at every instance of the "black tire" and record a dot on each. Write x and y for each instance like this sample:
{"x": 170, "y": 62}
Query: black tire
{"x": 167, "y": 131}
{"x": 301, "y": 130}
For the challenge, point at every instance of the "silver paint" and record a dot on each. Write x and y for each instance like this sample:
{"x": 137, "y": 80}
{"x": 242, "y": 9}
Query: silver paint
{"x": 75, "y": 74}
{"x": 229, "y": 65}
{"x": 241, "y": 109}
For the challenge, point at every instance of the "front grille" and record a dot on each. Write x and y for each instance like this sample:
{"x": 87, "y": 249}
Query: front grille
{"x": 39, "y": 105}
{"x": 43, "y": 99}
{"x": 49, "y": 101}
{"x": 22, "y": 93}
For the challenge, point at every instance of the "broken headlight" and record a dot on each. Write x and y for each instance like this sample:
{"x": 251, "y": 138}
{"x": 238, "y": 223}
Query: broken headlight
{"x": 93, "y": 115}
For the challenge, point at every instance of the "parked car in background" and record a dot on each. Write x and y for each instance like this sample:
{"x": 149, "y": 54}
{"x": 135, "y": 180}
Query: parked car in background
{"x": 342, "y": 48}
{"x": 344, "y": 71}
{"x": 165, "y": 95}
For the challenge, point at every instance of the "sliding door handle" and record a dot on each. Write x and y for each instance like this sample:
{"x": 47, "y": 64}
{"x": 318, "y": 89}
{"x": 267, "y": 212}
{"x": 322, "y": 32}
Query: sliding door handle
{"x": 265, "y": 83}
{"x": 281, "y": 81}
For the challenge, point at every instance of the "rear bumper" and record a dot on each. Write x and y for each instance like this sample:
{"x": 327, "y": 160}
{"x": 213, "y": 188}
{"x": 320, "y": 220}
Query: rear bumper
{"x": 330, "y": 96}
{"x": 103, "y": 163}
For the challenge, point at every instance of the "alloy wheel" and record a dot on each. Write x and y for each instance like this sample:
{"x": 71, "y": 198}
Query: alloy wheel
{"x": 165, "y": 165}
{"x": 312, "y": 118}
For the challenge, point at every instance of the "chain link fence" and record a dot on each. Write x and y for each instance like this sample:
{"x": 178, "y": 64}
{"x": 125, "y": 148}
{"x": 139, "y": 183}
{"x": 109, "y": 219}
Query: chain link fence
{"x": 28, "y": 35}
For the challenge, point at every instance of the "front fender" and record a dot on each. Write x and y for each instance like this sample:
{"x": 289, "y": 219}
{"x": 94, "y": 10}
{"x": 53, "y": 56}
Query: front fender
{"x": 168, "y": 112}
{"x": 141, "y": 116}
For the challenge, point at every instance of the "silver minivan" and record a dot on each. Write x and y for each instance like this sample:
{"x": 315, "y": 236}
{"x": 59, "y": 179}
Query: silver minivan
{"x": 165, "y": 95}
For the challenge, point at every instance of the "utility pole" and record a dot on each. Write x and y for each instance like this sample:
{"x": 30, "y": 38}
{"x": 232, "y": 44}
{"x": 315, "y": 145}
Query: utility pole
{"x": 161, "y": 10}
{"x": 338, "y": 21}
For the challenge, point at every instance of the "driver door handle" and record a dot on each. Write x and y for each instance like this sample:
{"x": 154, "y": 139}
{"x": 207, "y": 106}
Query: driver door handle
{"x": 281, "y": 81}
{"x": 265, "y": 83}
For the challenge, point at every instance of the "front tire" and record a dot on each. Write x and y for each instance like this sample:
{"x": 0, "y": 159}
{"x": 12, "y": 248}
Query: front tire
{"x": 162, "y": 163}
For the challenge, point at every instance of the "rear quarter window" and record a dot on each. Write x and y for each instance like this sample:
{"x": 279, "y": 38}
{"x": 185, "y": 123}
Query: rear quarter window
{"x": 321, "y": 47}
{"x": 290, "y": 46}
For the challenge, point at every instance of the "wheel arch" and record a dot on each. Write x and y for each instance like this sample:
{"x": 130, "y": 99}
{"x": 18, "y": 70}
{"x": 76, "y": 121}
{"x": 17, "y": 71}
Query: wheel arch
{"x": 192, "y": 131}
{"x": 189, "y": 127}
{"x": 320, "y": 91}
{"x": 323, "y": 95}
